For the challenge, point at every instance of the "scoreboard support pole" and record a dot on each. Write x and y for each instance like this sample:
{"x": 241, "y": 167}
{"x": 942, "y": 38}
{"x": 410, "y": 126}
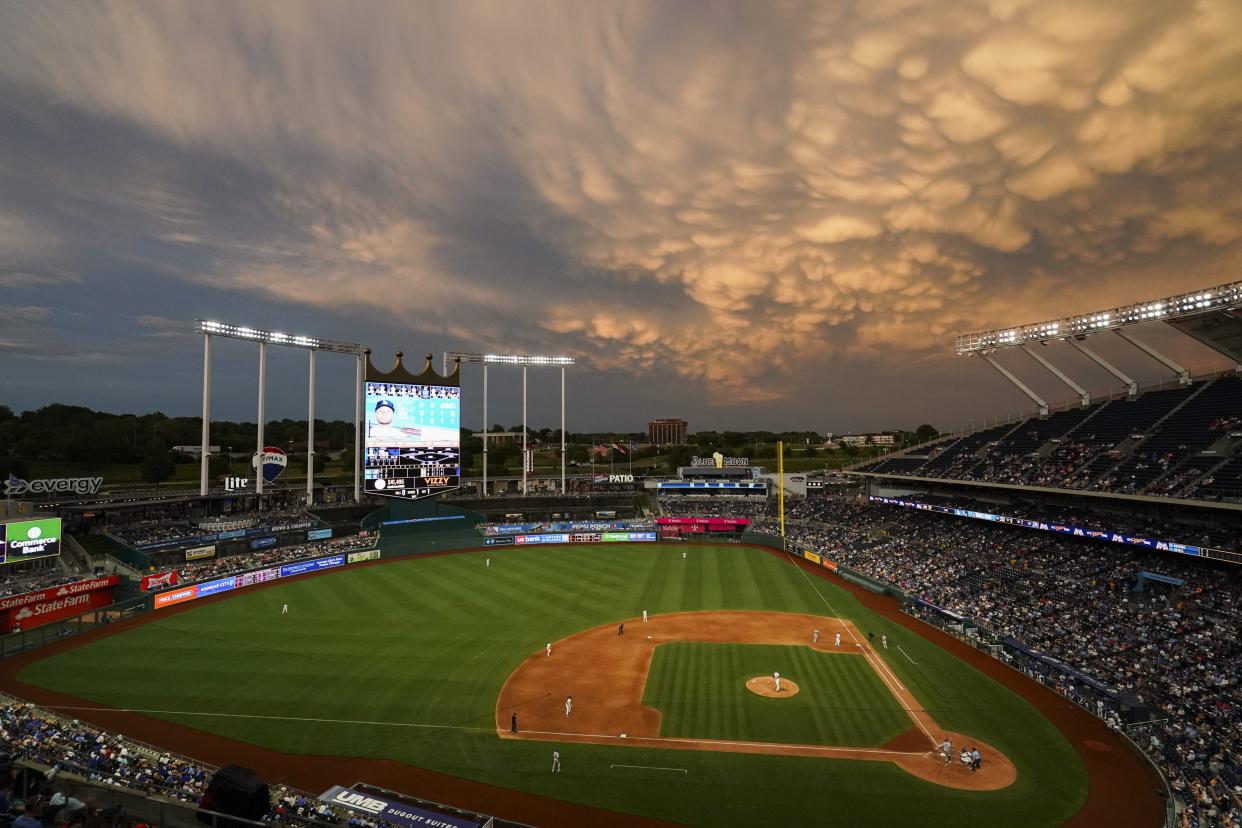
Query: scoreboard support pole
{"x": 780, "y": 481}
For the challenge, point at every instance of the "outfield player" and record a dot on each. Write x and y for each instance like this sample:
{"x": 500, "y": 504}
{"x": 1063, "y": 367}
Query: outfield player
{"x": 837, "y": 641}
{"x": 556, "y": 761}
{"x": 284, "y": 610}
{"x": 884, "y": 641}
{"x": 683, "y": 556}
{"x": 569, "y": 705}
{"x": 815, "y": 636}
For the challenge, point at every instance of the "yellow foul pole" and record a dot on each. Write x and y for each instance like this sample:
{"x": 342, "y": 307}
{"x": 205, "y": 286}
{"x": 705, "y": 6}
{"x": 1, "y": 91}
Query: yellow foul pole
{"x": 780, "y": 476}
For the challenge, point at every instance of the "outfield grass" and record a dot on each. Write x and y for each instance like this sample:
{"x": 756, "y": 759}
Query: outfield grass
{"x": 700, "y": 689}
{"x": 420, "y": 648}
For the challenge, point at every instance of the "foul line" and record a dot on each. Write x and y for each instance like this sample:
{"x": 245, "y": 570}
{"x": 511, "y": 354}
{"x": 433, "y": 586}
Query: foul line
{"x": 650, "y": 767}
{"x": 874, "y": 660}
{"x": 907, "y": 655}
{"x": 687, "y": 741}
{"x": 270, "y": 718}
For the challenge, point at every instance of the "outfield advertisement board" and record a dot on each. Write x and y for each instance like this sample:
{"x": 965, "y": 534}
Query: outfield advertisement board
{"x": 33, "y": 609}
{"x": 264, "y": 543}
{"x": 508, "y": 541}
{"x": 199, "y": 552}
{"x": 191, "y": 592}
{"x": 25, "y": 540}
{"x": 160, "y": 580}
{"x": 580, "y": 537}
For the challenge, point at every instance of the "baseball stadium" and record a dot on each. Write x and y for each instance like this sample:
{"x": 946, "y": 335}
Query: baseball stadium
{"x": 620, "y": 415}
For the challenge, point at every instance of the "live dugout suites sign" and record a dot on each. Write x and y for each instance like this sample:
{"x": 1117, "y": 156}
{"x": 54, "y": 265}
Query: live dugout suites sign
{"x": 395, "y": 810}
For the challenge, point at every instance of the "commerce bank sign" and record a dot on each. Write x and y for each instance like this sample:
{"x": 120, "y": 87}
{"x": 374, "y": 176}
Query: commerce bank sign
{"x": 16, "y": 487}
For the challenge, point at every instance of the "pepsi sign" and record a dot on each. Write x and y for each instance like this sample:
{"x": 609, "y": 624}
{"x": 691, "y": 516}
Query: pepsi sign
{"x": 270, "y": 463}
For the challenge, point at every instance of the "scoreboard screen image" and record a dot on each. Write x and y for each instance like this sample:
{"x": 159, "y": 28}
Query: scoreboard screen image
{"x": 412, "y": 439}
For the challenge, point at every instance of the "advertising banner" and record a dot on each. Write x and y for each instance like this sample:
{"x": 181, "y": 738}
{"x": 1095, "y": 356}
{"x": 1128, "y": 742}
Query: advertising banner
{"x": 231, "y": 534}
{"x": 310, "y": 566}
{"x": 56, "y": 608}
{"x": 218, "y": 585}
{"x": 386, "y": 806}
{"x": 586, "y": 537}
{"x": 176, "y": 596}
{"x": 263, "y": 543}
{"x": 52, "y": 593}
{"x": 199, "y": 552}
{"x": 710, "y": 524}
{"x": 28, "y": 539}
{"x": 319, "y": 534}
{"x": 258, "y": 576}
{"x": 160, "y": 580}
{"x": 610, "y": 537}
{"x": 368, "y": 555}
{"x": 498, "y": 541}
{"x": 811, "y": 556}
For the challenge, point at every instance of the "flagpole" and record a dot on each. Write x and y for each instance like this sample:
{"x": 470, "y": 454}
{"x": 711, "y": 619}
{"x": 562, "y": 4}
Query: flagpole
{"x": 592, "y": 459}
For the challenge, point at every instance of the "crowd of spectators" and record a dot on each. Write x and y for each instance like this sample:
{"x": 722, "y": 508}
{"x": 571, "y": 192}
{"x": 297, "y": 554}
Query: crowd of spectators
{"x": 1177, "y": 649}
{"x": 26, "y": 582}
{"x": 84, "y": 750}
{"x": 206, "y": 570}
{"x": 145, "y": 533}
{"x": 721, "y": 507}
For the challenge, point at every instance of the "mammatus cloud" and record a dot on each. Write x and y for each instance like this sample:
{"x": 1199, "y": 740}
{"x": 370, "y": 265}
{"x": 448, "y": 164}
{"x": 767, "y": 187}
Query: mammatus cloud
{"x": 729, "y": 192}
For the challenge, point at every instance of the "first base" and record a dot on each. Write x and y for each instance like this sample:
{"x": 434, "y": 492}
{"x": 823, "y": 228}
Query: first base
{"x": 622, "y": 735}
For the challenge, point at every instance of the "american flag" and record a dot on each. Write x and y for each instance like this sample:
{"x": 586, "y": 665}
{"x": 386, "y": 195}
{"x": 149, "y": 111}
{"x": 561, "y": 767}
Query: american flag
{"x": 602, "y": 451}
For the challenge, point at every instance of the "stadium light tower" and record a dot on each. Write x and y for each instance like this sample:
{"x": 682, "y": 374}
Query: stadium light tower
{"x": 524, "y": 361}
{"x": 1209, "y": 315}
{"x": 311, "y": 344}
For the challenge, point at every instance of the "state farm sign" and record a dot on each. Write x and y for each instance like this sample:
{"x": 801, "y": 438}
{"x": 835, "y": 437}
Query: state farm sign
{"x": 53, "y": 593}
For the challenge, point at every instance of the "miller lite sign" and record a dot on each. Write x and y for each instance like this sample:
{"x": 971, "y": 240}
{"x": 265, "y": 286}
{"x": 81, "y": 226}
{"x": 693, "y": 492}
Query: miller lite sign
{"x": 270, "y": 463}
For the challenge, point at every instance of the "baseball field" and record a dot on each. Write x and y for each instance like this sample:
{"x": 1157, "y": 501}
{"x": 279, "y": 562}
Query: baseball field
{"x": 424, "y": 661}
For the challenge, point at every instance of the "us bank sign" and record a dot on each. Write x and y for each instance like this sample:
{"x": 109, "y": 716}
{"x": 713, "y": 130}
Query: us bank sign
{"x": 16, "y": 487}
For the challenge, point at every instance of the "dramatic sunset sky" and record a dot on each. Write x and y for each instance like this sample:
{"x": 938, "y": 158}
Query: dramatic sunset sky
{"x": 750, "y": 215}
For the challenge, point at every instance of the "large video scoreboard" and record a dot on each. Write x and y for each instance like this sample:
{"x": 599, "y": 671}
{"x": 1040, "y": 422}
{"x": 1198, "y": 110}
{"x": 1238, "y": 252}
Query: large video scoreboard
{"x": 412, "y": 439}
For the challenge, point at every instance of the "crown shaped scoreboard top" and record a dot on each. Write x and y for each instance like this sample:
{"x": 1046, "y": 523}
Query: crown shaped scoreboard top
{"x": 399, "y": 373}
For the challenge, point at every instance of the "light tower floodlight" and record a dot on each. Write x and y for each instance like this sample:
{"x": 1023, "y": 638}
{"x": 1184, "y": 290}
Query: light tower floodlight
{"x": 524, "y": 361}
{"x": 209, "y": 329}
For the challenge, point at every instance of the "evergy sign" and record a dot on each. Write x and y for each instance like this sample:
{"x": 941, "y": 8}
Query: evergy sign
{"x": 16, "y": 487}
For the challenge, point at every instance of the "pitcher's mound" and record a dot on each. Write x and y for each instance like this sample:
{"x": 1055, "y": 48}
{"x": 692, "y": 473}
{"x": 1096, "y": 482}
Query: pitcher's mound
{"x": 766, "y": 686}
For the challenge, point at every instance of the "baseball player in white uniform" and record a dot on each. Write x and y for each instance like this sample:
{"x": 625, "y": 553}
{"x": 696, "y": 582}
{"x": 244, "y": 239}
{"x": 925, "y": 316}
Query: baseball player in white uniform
{"x": 884, "y": 641}
{"x": 556, "y": 761}
{"x": 837, "y": 641}
{"x": 284, "y": 610}
{"x": 815, "y": 636}
{"x": 549, "y": 649}
{"x": 947, "y": 747}
{"x": 569, "y": 705}
{"x": 644, "y": 616}
{"x": 777, "y": 678}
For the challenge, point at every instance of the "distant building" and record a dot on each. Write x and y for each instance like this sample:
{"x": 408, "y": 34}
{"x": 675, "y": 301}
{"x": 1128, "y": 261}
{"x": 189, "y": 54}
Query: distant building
{"x": 667, "y": 432}
{"x": 195, "y": 451}
{"x": 883, "y": 439}
{"x": 864, "y": 439}
{"x": 505, "y": 437}
{"x": 853, "y": 439}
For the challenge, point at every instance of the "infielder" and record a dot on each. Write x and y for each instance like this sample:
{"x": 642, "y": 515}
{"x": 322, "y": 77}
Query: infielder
{"x": 549, "y": 648}
{"x": 815, "y": 636}
{"x": 837, "y": 641}
{"x": 777, "y": 677}
{"x": 569, "y": 705}
{"x": 644, "y": 616}
{"x": 556, "y": 761}
{"x": 284, "y": 610}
